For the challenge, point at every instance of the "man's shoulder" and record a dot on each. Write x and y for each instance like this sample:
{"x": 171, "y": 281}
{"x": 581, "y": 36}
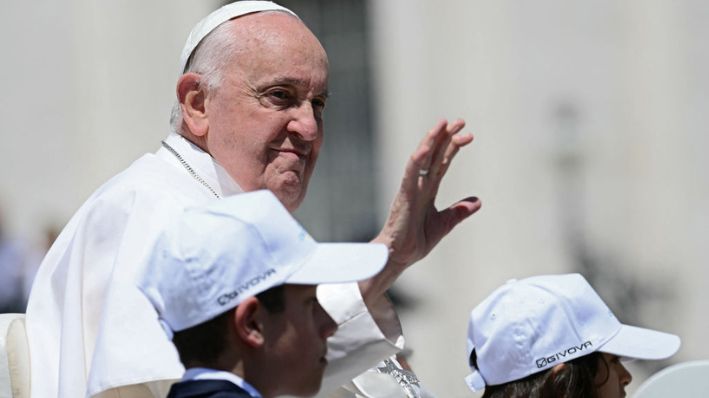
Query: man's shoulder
{"x": 152, "y": 178}
{"x": 150, "y": 188}
{"x": 150, "y": 172}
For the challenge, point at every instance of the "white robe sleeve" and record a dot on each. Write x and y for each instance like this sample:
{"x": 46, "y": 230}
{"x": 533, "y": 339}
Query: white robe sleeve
{"x": 365, "y": 335}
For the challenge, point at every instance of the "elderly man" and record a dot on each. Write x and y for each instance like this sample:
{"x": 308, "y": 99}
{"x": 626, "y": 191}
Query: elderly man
{"x": 249, "y": 117}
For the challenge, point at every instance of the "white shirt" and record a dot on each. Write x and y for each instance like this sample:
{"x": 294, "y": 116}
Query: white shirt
{"x": 89, "y": 327}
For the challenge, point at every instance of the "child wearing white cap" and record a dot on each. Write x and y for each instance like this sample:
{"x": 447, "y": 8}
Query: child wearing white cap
{"x": 553, "y": 336}
{"x": 234, "y": 283}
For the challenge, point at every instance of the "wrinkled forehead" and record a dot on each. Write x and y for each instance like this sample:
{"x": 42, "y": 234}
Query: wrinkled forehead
{"x": 276, "y": 44}
{"x": 274, "y": 28}
{"x": 276, "y": 35}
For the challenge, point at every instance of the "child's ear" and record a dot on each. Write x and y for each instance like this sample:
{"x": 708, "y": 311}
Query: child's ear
{"x": 247, "y": 324}
{"x": 558, "y": 369}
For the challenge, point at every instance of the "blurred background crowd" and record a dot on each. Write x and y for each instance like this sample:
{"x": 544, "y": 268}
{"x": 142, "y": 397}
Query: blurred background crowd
{"x": 590, "y": 121}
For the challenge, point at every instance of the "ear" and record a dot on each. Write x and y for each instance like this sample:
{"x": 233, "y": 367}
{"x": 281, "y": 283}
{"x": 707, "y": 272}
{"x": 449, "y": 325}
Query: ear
{"x": 192, "y": 95}
{"x": 557, "y": 369}
{"x": 247, "y": 324}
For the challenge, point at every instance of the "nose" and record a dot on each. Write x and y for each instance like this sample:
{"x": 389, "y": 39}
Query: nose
{"x": 327, "y": 325}
{"x": 305, "y": 122}
{"x": 625, "y": 377}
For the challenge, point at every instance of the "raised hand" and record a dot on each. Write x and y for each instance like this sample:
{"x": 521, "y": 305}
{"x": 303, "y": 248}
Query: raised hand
{"x": 414, "y": 225}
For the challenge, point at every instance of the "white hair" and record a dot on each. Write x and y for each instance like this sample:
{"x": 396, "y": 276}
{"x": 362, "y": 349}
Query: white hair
{"x": 208, "y": 60}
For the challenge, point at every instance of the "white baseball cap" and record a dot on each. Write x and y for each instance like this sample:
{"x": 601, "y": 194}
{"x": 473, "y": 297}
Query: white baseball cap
{"x": 530, "y": 325}
{"x": 212, "y": 258}
{"x": 218, "y": 17}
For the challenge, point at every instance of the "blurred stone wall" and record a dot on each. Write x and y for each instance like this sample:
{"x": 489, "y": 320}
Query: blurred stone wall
{"x": 590, "y": 123}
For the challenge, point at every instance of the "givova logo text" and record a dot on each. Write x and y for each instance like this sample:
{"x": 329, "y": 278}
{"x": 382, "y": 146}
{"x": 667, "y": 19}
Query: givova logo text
{"x": 227, "y": 297}
{"x": 544, "y": 361}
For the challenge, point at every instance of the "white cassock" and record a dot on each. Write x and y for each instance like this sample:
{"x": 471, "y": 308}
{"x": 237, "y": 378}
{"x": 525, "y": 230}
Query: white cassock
{"x": 91, "y": 330}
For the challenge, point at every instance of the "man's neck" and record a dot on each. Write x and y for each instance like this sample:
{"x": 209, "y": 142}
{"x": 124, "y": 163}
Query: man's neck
{"x": 200, "y": 141}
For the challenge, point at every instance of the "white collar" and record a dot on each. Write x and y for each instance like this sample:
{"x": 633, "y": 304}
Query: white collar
{"x": 213, "y": 374}
{"x": 203, "y": 164}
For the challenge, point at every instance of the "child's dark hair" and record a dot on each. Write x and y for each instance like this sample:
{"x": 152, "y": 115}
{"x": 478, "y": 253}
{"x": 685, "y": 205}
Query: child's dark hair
{"x": 576, "y": 379}
{"x": 201, "y": 345}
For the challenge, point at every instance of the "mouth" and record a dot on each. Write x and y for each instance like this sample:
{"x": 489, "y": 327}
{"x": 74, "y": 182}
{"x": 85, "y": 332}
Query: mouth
{"x": 298, "y": 153}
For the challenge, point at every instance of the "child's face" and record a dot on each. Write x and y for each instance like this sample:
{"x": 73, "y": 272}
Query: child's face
{"x": 612, "y": 377}
{"x": 296, "y": 341}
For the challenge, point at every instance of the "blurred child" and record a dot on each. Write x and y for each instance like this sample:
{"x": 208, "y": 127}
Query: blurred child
{"x": 553, "y": 336}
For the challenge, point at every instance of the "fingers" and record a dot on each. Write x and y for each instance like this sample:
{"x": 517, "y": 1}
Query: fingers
{"x": 442, "y": 147}
{"x": 421, "y": 158}
{"x": 439, "y": 140}
{"x": 466, "y": 207}
{"x": 453, "y": 215}
{"x": 417, "y": 162}
{"x": 430, "y": 143}
{"x": 452, "y": 149}
{"x": 431, "y": 159}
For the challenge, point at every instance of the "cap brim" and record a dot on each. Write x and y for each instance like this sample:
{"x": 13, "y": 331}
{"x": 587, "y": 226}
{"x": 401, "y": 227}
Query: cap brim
{"x": 639, "y": 343}
{"x": 341, "y": 262}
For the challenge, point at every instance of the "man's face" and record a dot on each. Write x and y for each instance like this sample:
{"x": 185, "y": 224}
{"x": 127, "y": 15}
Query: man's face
{"x": 265, "y": 119}
{"x": 295, "y": 342}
